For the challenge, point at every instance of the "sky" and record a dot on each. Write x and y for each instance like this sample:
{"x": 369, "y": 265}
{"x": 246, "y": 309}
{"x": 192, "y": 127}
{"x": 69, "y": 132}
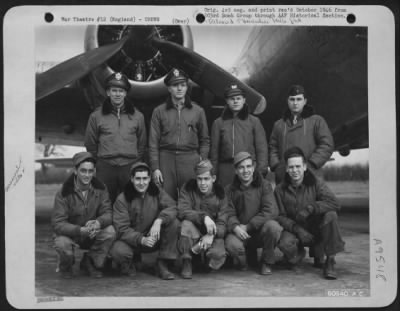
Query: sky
{"x": 53, "y": 47}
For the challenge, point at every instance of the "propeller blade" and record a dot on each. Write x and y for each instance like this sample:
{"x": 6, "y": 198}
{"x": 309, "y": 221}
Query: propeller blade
{"x": 73, "y": 69}
{"x": 207, "y": 74}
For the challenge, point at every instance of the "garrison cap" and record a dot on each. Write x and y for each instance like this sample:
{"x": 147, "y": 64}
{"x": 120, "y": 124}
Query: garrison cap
{"x": 233, "y": 90}
{"x": 141, "y": 165}
{"x": 83, "y": 156}
{"x": 296, "y": 90}
{"x": 240, "y": 156}
{"x": 175, "y": 76}
{"x": 118, "y": 79}
{"x": 293, "y": 152}
{"x": 203, "y": 166}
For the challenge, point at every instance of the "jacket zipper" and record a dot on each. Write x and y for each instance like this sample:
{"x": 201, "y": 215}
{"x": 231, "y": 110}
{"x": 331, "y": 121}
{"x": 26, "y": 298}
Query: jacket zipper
{"x": 84, "y": 201}
{"x": 119, "y": 117}
{"x": 233, "y": 138}
{"x": 179, "y": 126}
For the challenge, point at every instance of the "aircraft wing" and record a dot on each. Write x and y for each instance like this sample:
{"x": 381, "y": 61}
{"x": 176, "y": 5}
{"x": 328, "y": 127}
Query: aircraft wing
{"x": 331, "y": 62}
{"x": 57, "y": 162}
{"x": 62, "y": 113}
{"x": 61, "y": 117}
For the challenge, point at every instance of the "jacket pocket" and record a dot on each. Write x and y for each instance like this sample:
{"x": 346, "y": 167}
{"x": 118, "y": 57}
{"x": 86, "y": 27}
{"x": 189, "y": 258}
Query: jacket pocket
{"x": 165, "y": 126}
{"x": 129, "y": 132}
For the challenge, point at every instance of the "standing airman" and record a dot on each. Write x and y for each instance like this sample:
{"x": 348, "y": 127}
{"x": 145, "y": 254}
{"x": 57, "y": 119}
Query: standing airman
{"x": 235, "y": 131}
{"x": 301, "y": 127}
{"x": 116, "y": 135}
{"x": 178, "y": 136}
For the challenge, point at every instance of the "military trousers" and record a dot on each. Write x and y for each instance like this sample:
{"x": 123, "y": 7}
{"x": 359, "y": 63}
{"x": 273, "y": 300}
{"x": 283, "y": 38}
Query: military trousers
{"x": 266, "y": 238}
{"x": 327, "y": 238}
{"x": 177, "y": 168}
{"x": 190, "y": 235}
{"x": 225, "y": 173}
{"x": 122, "y": 252}
{"x": 98, "y": 247}
{"x": 115, "y": 177}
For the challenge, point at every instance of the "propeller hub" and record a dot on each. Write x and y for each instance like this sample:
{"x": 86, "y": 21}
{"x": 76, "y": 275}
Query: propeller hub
{"x": 138, "y": 59}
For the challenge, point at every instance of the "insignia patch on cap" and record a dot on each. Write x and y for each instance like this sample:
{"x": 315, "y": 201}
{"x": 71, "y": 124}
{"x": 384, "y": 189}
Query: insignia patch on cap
{"x": 234, "y": 86}
{"x": 176, "y": 73}
{"x": 118, "y": 76}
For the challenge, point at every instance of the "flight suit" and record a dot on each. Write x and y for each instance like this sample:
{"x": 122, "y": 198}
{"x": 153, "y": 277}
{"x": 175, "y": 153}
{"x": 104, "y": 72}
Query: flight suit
{"x": 230, "y": 135}
{"x": 72, "y": 211}
{"x": 133, "y": 217}
{"x": 177, "y": 142}
{"x": 310, "y": 133}
{"x": 193, "y": 207}
{"x": 254, "y": 206}
{"x": 117, "y": 138}
{"x": 322, "y": 223}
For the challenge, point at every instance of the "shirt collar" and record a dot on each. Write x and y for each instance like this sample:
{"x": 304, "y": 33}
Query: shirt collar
{"x": 79, "y": 190}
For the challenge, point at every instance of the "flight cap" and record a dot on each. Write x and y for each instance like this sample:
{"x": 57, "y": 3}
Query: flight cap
{"x": 203, "y": 166}
{"x": 139, "y": 165}
{"x": 118, "y": 79}
{"x": 233, "y": 90}
{"x": 240, "y": 156}
{"x": 175, "y": 76}
{"x": 296, "y": 89}
{"x": 83, "y": 156}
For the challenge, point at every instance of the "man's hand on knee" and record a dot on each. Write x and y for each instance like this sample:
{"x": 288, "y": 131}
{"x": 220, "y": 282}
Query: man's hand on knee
{"x": 155, "y": 229}
{"x": 93, "y": 228}
{"x": 84, "y": 232}
{"x": 304, "y": 236}
{"x": 210, "y": 225}
{"x": 148, "y": 241}
{"x": 206, "y": 241}
{"x": 241, "y": 233}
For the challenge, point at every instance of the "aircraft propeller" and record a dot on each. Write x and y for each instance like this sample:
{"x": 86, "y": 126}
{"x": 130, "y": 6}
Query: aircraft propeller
{"x": 207, "y": 74}
{"x": 136, "y": 44}
{"x": 74, "y": 68}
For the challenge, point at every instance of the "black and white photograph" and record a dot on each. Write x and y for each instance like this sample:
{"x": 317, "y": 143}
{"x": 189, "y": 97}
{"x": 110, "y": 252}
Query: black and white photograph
{"x": 205, "y": 158}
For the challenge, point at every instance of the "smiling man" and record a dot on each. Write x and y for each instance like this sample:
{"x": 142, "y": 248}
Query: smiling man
{"x": 252, "y": 210}
{"x": 237, "y": 130}
{"x": 116, "y": 135}
{"x": 145, "y": 220}
{"x": 82, "y": 217}
{"x": 308, "y": 214}
{"x": 178, "y": 135}
{"x": 202, "y": 209}
{"x": 301, "y": 127}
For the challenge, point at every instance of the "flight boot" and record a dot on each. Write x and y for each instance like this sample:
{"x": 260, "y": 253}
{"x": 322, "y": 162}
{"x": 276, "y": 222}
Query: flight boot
{"x": 128, "y": 269}
{"x": 66, "y": 273}
{"x": 242, "y": 263}
{"x": 318, "y": 262}
{"x": 87, "y": 266}
{"x": 186, "y": 268}
{"x": 266, "y": 269}
{"x": 163, "y": 271}
{"x": 329, "y": 269}
{"x": 65, "y": 265}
